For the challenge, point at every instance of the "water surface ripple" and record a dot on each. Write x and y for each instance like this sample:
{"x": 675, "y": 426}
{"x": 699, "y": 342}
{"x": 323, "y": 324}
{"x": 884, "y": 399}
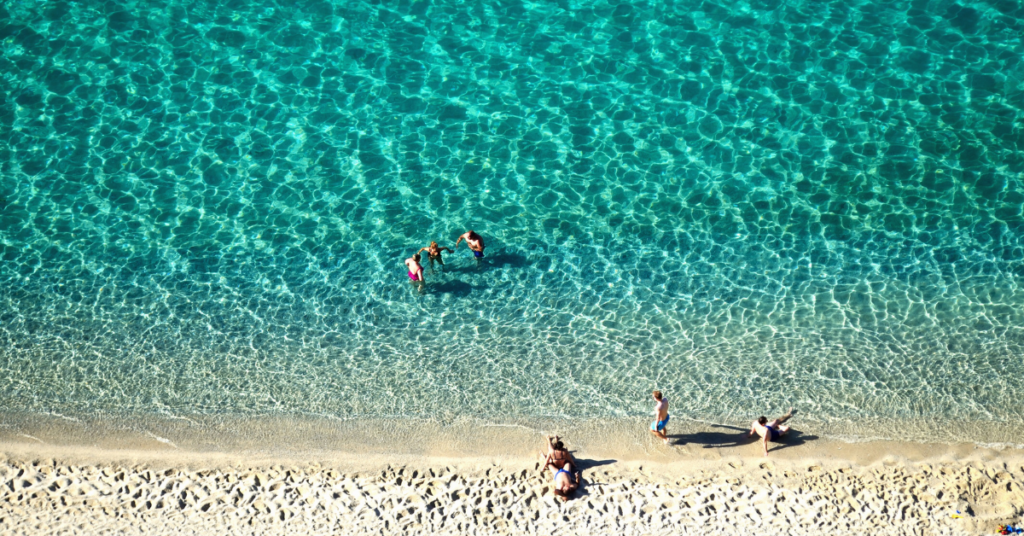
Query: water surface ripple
{"x": 750, "y": 205}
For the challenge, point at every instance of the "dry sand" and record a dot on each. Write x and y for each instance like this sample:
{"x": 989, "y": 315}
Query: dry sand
{"x": 813, "y": 488}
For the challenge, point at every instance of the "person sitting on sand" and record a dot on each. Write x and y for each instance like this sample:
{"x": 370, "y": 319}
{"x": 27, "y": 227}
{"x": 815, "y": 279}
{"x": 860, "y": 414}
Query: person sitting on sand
{"x": 434, "y": 253}
{"x": 565, "y": 483}
{"x": 769, "y": 430}
{"x": 557, "y": 455}
{"x": 660, "y": 424}
{"x": 561, "y": 463}
{"x": 415, "y": 269}
{"x": 474, "y": 241}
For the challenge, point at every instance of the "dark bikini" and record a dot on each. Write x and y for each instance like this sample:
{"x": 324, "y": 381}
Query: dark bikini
{"x": 558, "y": 463}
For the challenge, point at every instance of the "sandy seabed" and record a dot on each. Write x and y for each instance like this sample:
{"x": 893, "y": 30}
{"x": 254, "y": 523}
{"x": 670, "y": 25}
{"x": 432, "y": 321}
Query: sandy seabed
{"x": 824, "y": 487}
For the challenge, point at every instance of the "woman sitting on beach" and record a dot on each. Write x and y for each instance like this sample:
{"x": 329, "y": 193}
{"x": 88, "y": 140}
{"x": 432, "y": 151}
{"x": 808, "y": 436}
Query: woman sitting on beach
{"x": 561, "y": 463}
{"x": 434, "y": 253}
{"x": 557, "y": 456}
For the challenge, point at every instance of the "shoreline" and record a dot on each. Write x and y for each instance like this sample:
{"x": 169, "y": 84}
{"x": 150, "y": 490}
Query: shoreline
{"x": 634, "y": 487}
{"x": 624, "y": 438}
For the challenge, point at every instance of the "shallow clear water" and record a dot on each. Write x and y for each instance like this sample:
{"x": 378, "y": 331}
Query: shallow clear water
{"x": 749, "y": 205}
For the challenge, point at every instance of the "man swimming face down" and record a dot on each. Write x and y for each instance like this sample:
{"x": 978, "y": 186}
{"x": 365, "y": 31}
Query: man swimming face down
{"x": 474, "y": 241}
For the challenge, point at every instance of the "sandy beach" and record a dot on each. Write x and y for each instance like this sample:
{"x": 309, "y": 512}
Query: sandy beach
{"x": 213, "y": 220}
{"x": 634, "y": 487}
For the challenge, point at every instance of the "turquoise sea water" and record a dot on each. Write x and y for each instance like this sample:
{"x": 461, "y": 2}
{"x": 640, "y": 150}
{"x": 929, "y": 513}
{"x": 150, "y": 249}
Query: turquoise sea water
{"x": 205, "y": 207}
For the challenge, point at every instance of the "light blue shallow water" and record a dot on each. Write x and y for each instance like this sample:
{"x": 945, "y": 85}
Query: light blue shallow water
{"x": 750, "y": 205}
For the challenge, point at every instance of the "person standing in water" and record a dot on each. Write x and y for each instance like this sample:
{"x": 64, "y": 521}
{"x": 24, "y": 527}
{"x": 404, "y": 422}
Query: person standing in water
{"x": 474, "y": 241}
{"x": 415, "y": 269}
{"x": 434, "y": 253}
{"x": 658, "y": 427}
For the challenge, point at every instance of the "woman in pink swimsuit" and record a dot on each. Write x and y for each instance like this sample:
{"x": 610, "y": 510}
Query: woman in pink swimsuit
{"x": 415, "y": 270}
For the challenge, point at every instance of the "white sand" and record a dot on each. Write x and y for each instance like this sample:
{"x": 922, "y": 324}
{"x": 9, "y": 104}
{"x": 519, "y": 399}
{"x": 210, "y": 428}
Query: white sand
{"x": 879, "y": 488}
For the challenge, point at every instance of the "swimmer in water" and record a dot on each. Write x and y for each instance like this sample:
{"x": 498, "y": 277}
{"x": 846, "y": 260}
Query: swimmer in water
{"x": 474, "y": 241}
{"x": 434, "y": 253}
{"x": 415, "y": 269}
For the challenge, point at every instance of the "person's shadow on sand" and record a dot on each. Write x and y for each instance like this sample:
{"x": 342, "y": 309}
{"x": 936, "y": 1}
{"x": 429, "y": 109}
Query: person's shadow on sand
{"x": 794, "y": 438}
{"x": 738, "y": 437}
{"x": 582, "y": 465}
{"x": 712, "y": 440}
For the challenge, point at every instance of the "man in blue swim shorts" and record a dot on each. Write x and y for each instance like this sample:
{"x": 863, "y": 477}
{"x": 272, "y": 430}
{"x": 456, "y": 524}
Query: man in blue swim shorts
{"x": 474, "y": 241}
{"x": 769, "y": 430}
{"x": 661, "y": 417}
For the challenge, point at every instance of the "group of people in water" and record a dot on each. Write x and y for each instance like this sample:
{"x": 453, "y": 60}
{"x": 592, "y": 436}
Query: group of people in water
{"x": 474, "y": 241}
{"x": 565, "y": 471}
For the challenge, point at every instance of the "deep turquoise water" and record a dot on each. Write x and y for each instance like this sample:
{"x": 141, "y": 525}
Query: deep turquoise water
{"x": 749, "y": 205}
